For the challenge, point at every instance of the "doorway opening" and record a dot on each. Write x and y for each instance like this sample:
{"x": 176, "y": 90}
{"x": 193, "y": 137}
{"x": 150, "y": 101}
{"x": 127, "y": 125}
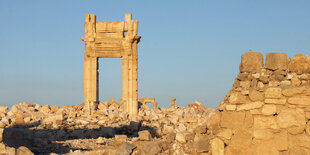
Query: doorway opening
{"x": 110, "y": 79}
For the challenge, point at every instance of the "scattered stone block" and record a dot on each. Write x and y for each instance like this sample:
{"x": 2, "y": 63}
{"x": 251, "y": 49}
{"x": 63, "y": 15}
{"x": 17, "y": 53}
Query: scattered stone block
{"x": 125, "y": 148}
{"x": 276, "y": 61}
{"x": 145, "y": 135}
{"x": 180, "y": 138}
{"x": 120, "y": 137}
{"x": 217, "y": 146}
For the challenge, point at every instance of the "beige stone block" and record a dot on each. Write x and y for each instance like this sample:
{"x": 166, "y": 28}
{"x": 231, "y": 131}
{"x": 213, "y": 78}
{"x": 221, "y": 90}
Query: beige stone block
{"x": 255, "y": 112}
{"x": 241, "y": 138}
{"x": 299, "y": 100}
{"x": 255, "y": 95}
{"x": 251, "y": 62}
{"x": 230, "y": 107}
{"x": 225, "y": 133}
{"x": 237, "y": 98}
{"x": 262, "y": 134}
{"x": 301, "y": 140}
{"x": 293, "y": 91}
{"x": 295, "y": 82}
{"x": 245, "y": 84}
{"x": 288, "y": 118}
{"x": 249, "y": 106}
{"x": 273, "y": 93}
{"x": 269, "y": 109}
{"x": 300, "y": 64}
{"x": 238, "y": 150}
{"x": 285, "y": 83}
{"x": 296, "y": 130}
{"x": 273, "y": 83}
{"x": 275, "y": 101}
{"x": 266, "y": 147}
{"x": 281, "y": 140}
{"x": 275, "y": 61}
{"x": 307, "y": 115}
{"x": 308, "y": 128}
{"x": 248, "y": 121}
{"x": 265, "y": 122}
{"x": 217, "y": 146}
{"x": 232, "y": 120}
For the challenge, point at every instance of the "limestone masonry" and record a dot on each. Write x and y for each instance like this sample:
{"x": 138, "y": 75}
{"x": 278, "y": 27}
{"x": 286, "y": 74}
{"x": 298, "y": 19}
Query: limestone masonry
{"x": 268, "y": 109}
{"x": 114, "y": 40}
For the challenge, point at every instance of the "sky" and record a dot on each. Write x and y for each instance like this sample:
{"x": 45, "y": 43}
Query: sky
{"x": 189, "y": 50}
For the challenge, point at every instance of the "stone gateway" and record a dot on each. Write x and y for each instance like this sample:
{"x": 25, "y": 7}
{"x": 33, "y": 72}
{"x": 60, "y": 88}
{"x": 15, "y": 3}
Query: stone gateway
{"x": 111, "y": 40}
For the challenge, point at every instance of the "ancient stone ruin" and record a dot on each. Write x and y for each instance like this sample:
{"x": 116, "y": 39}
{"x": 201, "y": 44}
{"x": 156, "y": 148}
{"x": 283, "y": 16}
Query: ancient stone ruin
{"x": 112, "y": 40}
{"x": 268, "y": 109}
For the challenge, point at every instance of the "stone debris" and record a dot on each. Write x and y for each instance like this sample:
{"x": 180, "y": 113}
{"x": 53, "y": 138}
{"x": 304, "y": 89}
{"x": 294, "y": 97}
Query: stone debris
{"x": 109, "y": 130}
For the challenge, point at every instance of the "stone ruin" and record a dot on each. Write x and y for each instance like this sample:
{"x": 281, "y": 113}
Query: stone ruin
{"x": 268, "y": 109}
{"x": 111, "y": 40}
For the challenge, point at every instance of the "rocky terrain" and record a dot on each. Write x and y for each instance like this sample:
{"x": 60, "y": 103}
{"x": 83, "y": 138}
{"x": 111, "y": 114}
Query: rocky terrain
{"x": 32, "y": 128}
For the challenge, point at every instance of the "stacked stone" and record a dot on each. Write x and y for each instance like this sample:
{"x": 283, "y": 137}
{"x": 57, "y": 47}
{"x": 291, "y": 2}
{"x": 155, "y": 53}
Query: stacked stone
{"x": 268, "y": 109}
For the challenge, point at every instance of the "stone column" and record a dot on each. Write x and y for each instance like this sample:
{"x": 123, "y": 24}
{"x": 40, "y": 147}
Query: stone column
{"x": 130, "y": 67}
{"x": 90, "y": 64}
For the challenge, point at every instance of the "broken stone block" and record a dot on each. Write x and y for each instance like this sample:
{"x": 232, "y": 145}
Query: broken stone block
{"x": 144, "y": 135}
{"x": 276, "y": 61}
{"x": 251, "y": 62}
{"x": 217, "y": 146}
{"x": 237, "y": 98}
{"x": 180, "y": 138}
{"x": 300, "y": 64}
{"x": 126, "y": 148}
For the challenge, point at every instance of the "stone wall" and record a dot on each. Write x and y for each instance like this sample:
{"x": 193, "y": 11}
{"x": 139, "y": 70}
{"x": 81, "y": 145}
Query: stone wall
{"x": 268, "y": 109}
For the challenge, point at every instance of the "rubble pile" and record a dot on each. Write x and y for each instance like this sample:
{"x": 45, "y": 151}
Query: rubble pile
{"x": 268, "y": 109}
{"x": 108, "y": 130}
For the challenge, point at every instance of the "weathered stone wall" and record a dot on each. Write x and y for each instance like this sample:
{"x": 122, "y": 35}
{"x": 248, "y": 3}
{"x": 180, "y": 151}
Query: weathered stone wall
{"x": 268, "y": 109}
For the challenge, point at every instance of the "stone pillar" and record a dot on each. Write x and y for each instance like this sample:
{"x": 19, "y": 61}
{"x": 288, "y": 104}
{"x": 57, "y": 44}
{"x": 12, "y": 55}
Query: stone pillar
{"x": 90, "y": 64}
{"x": 130, "y": 67}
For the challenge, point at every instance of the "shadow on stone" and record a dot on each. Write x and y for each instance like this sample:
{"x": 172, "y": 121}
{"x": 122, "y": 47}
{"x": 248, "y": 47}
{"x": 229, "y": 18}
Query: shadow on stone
{"x": 46, "y": 141}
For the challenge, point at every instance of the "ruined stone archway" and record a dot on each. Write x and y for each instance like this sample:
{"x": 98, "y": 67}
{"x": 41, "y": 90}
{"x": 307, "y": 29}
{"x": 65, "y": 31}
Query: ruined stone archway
{"x": 108, "y": 40}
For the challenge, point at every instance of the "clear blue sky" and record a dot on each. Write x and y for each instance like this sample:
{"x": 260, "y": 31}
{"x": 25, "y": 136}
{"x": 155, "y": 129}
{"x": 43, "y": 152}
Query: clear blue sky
{"x": 189, "y": 50}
